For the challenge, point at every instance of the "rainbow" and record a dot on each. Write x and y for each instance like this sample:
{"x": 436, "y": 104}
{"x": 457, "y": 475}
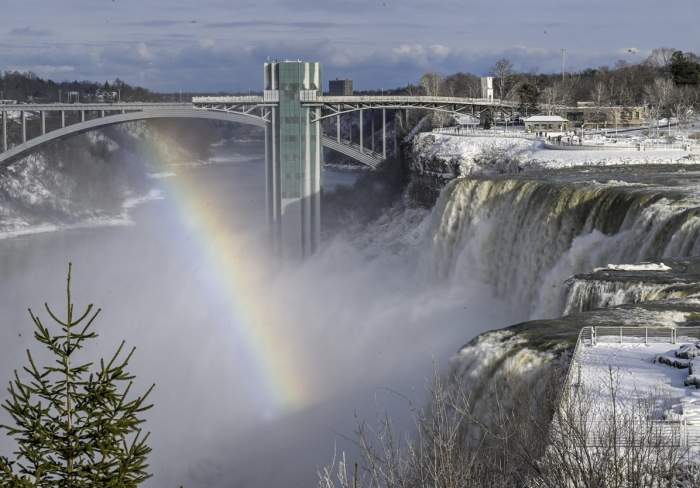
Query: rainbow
{"x": 283, "y": 378}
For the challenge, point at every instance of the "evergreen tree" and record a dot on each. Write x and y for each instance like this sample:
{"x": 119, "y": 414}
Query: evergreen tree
{"x": 529, "y": 96}
{"x": 75, "y": 423}
{"x": 684, "y": 70}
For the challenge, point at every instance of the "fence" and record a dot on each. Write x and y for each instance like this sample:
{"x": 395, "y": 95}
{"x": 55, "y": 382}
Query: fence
{"x": 645, "y": 335}
{"x": 675, "y": 432}
{"x": 471, "y": 132}
{"x": 633, "y": 433}
{"x": 640, "y": 147}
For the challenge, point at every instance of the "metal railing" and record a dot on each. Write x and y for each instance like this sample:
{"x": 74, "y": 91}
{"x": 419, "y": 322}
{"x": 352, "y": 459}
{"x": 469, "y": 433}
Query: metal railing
{"x": 679, "y": 432}
{"x": 271, "y": 96}
{"x": 645, "y": 335}
{"x": 308, "y": 95}
{"x": 469, "y": 132}
{"x": 232, "y": 99}
{"x": 639, "y": 433}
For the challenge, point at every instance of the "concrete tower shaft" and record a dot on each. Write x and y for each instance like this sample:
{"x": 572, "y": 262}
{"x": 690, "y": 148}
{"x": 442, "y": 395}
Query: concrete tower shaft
{"x": 293, "y": 157}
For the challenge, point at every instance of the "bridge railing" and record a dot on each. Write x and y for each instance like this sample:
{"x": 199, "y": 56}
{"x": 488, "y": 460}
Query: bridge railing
{"x": 474, "y": 132}
{"x": 405, "y": 99}
{"x": 232, "y": 99}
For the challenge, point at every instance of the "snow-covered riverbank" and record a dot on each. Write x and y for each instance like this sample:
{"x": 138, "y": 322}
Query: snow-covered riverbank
{"x": 463, "y": 155}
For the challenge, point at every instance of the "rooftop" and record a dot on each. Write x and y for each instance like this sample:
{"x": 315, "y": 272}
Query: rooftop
{"x": 546, "y": 118}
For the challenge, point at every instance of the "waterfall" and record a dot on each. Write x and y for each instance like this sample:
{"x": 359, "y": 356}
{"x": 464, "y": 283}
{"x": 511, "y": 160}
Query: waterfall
{"x": 589, "y": 294}
{"x": 526, "y": 237}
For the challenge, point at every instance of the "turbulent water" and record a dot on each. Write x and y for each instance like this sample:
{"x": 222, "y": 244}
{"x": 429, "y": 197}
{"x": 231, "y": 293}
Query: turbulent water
{"x": 526, "y": 236}
{"x": 677, "y": 279}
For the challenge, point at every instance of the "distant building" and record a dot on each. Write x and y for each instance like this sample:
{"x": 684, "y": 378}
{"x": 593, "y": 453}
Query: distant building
{"x": 467, "y": 120}
{"x": 546, "y": 123}
{"x": 105, "y": 96}
{"x": 73, "y": 96}
{"x": 487, "y": 88}
{"x": 587, "y": 114}
{"x": 340, "y": 88}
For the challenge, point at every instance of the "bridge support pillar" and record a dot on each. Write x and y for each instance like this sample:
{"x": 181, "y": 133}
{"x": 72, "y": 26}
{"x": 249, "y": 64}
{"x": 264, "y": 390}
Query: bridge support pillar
{"x": 293, "y": 159}
{"x": 384, "y": 133}
{"x": 43, "y": 123}
{"x": 24, "y": 126}
{"x": 82, "y": 115}
{"x": 372, "y": 131}
{"x": 4, "y": 131}
{"x": 63, "y": 119}
{"x": 362, "y": 131}
{"x": 337, "y": 128}
{"x": 395, "y": 146}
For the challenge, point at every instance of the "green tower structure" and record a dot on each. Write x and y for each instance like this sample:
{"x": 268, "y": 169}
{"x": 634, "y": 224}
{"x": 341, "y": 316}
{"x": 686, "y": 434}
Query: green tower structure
{"x": 293, "y": 157}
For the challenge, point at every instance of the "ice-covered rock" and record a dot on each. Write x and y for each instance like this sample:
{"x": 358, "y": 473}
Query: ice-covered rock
{"x": 689, "y": 351}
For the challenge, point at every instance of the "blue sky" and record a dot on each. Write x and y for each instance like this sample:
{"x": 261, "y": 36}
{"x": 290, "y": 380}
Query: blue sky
{"x": 211, "y": 45}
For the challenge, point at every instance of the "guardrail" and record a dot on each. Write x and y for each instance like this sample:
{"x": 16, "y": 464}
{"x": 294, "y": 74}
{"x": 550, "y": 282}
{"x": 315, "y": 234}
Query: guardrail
{"x": 679, "y": 433}
{"x": 459, "y": 131}
{"x": 645, "y": 335}
{"x": 641, "y": 147}
{"x": 639, "y": 433}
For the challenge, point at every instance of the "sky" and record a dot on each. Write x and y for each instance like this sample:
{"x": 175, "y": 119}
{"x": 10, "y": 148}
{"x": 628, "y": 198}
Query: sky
{"x": 217, "y": 45}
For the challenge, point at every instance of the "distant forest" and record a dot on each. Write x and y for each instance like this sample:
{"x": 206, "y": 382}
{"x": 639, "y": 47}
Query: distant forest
{"x": 28, "y": 87}
{"x": 23, "y": 87}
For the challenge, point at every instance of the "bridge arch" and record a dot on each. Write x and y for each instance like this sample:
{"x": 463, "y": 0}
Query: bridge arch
{"x": 21, "y": 150}
{"x": 31, "y": 145}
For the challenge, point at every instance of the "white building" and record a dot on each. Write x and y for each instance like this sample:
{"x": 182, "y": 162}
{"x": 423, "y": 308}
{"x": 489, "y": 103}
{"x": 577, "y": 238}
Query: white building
{"x": 487, "y": 88}
{"x": 467, "y": 120}
{"x": 546, "y": 124}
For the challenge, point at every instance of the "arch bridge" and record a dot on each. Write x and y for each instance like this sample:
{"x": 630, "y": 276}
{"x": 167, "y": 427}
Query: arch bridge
{"x": 291, "y": 109}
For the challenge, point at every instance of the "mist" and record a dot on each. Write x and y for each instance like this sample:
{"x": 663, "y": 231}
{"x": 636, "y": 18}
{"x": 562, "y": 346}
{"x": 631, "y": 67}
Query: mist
{"x": 365, "y": 321}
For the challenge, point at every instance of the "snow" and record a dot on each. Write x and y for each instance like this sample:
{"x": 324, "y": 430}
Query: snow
{"x": 546, "y": 118}
{"x": 468, "y": 149}
{"x": 635, "y": 267}
{"x": 641, "y": 371}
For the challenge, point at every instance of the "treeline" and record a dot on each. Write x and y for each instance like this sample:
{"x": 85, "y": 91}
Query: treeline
{"x": 27, "y": 87}
{"x": 667, "y": 81}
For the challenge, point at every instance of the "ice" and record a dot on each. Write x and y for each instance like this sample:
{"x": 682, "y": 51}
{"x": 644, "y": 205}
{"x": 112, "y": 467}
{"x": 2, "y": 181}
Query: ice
{"x": 636, "y": 267}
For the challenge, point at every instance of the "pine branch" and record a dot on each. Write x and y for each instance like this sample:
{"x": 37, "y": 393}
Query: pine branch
{"x": 75, "y": 427}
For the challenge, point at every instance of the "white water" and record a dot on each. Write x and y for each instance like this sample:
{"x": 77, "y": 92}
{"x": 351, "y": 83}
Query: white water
{"x": 526, "y": 238}
{"x": 591, "y": 294}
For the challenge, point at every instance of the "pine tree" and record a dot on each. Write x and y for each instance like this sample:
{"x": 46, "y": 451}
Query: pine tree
{"x": 75, "y": 423}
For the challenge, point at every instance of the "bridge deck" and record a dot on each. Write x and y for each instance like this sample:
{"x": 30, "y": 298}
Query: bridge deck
{"x": 107, "y": 107}
{"x": 390, "y": 100}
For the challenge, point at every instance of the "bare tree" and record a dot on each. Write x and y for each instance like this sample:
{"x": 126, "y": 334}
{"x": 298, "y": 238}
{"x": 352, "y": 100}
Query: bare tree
{"x": 502, "y": 71}
{"x": 659, "y": 95}
{"x": 432, "y": 84}
{"x": 578, "y": 438}
{"x": 660, "y": 57}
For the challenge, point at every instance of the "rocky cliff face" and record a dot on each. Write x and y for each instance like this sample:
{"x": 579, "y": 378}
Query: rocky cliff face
{"x": 91, "y": 176}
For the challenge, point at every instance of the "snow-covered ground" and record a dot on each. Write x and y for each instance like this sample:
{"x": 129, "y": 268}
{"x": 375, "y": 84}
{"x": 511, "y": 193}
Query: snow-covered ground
{"x": 639, "y": 377}
{"x": 636, "y": 267}
{"x": 442, "y": 153}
